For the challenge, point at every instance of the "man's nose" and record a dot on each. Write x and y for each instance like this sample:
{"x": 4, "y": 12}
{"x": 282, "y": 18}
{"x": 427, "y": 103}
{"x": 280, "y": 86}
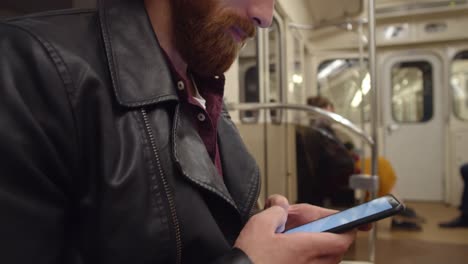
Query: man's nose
{"x": 261, "y": 12}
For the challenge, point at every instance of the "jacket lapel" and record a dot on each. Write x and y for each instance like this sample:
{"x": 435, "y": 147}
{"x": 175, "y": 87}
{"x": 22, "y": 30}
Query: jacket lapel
{"x": 139, "y": 71}
{"x": 193, "y": 159}
{"x": 241, "y": 173}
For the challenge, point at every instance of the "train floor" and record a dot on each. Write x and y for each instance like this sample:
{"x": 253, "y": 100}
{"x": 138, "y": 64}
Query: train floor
{"x": 432, "y": 245}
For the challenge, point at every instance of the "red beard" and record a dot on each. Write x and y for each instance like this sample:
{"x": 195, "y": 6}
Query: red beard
{"x": 207, "y": 36}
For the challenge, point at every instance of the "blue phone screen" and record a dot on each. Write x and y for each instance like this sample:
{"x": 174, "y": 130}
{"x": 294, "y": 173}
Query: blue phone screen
{"x": 344, "y": 217}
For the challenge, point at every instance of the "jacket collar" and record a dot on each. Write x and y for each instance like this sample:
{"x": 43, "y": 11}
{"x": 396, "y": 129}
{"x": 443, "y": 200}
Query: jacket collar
{"x": 139, "y": 71}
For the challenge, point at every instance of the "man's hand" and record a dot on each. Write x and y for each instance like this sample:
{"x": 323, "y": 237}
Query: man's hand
{"x": 300, "y": 214}
{"x": 261, "y": 241}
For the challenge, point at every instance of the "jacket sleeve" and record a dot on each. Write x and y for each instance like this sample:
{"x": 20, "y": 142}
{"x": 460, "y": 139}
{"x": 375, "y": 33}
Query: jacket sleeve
{"x": 36, "y": 160}
{"x": 236, "y": 256}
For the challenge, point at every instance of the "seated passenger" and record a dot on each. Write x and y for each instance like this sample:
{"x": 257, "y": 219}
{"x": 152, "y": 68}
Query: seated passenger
{"x": 337, "y": 185}
{"x": 324, "y": 163}
{"x": 462, "y": 219}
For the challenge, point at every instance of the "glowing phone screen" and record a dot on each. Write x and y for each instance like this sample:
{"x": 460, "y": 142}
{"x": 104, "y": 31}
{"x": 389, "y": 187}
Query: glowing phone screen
{"x": 361, "y": 211}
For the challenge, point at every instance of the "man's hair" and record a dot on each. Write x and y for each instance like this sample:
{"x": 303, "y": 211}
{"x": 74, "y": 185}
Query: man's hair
{"x": 319, "y": 101}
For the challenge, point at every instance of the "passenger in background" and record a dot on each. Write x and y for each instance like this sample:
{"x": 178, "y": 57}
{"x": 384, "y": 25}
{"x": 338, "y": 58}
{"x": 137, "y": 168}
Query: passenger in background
{"x": 462, "y": 219}
{"x": 332, "y": 160}
{"x": 324, "y": 162}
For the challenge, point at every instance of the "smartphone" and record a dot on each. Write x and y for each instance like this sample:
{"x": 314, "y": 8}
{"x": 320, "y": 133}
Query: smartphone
{"x": 354, "y": 217}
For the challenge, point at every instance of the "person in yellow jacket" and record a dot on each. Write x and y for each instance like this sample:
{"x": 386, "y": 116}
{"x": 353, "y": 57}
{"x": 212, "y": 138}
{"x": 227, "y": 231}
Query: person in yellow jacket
{"x": 387, "y": 176}
{"x": 407, "y": 219}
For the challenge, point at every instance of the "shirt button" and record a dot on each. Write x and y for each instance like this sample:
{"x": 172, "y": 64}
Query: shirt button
{"x": 201, "y": 117}
{"x": 180, "y": 85}
{"x": 216, "y": 77}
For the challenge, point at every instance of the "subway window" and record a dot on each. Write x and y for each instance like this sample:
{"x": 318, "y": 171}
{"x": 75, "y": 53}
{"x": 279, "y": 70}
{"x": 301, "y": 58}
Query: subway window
{"x": 248, "y": 79}
{"x": 459, "y": 84}
{"x": 274, "y": 49}
{"x": 296, "y": 87}
{"x": 346, "y": 82}
{"x": 412, "y": 92}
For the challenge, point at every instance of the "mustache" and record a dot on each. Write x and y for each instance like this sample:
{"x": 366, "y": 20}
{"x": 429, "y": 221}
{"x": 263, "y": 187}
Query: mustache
{"x": 228, "y": 19}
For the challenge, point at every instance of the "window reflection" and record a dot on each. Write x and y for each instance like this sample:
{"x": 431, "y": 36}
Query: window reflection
{"x": 347, "y": 84}
{"x": 459, "y": 84}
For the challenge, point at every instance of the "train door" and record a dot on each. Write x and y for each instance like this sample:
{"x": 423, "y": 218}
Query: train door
{"x": 414, "y": 124}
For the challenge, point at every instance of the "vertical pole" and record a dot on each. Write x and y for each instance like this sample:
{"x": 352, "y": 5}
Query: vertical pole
{"x": 362, "y": 69}
{"x": 263, "y": 75}
{"x": 374, "y": 90}
{"x": 374, "y": 112}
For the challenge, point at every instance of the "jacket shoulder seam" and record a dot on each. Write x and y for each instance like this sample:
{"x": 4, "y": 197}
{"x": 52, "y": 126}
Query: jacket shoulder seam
{"x": 62, "y": 71}
{"x": 52, "y": 13}
{"x": 51, "y": 52}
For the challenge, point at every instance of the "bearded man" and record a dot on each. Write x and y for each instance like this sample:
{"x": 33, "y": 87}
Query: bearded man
{"x": 115, "y": 146}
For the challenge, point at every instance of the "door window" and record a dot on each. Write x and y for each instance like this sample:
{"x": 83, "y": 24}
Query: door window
{"x": 459, "y": 84}
{"x": 412, "y": 92}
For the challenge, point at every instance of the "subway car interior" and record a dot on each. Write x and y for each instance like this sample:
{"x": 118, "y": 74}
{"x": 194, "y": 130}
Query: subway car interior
{"x": 394, "y": 75}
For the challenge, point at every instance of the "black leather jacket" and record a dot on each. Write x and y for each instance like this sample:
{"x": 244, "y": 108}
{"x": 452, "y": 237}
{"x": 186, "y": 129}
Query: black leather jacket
{"x": 98, "y": 162}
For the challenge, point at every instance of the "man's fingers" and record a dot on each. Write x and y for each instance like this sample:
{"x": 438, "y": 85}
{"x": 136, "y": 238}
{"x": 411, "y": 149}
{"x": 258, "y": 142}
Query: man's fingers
{"x": 276, "y": 216}
{"x": 327, "y": 244}
{"x": 281, "y": 202}
{"x": 337, "y": 244}
{"x": 328, "y": 260}
{"x": 310, "y": 211}
{"x": 300, "y": 214}
{"x": 277, "y": 200}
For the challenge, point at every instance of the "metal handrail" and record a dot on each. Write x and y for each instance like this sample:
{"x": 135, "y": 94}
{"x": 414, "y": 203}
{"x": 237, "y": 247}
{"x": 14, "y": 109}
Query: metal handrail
{"x": 300, "y": 26}
{"x": 335, "y": 118}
